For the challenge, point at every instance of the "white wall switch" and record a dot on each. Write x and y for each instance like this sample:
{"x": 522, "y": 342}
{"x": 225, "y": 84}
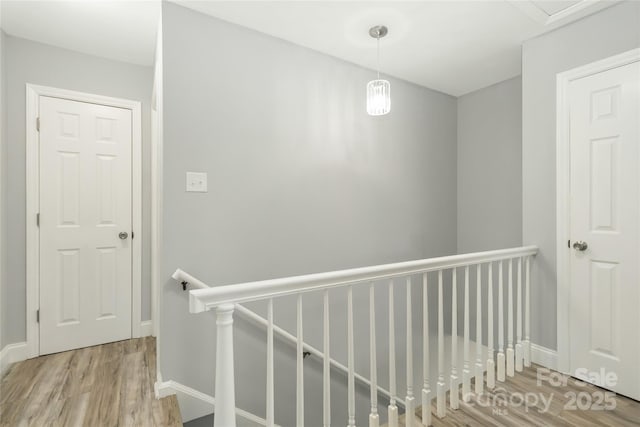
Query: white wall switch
{"x": 197, "y": 182}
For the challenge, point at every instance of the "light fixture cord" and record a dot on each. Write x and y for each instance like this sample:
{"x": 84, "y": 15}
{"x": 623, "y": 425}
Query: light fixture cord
{"x": 378, "y": 56}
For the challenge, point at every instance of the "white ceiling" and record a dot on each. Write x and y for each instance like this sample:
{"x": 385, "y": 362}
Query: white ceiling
{"x": 551, "y": 7}
{"x": 121, "y": 30}
{"x": 452, "y": 46}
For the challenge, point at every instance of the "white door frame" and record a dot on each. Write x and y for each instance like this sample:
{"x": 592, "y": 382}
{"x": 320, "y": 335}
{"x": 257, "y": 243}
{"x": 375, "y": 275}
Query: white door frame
{"x": 563, "y": 193}
{"x": 33, "y": 194}
{"x": 157, "y": 114}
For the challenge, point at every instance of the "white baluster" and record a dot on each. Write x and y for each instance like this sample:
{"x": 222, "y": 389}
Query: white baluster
{"x": 441, "y": 408}
{"x": 510, "y": 353}
{"x": 270, "y": 383}
{"x": 491, "y": 366}
{"x": 453, "y": 385}
{"x": 519, "y": 319}
{"x": 426, "y": 387}
{"x": 466, "y": 372}
{"x": 374, "y": 419}
{"x": 393, "y": 409}
{"x": 527, "y": 313}
{"x": 326, "y": 371}
{"x": 350, "y": 380}
{"x": 225, "y": 382}
{"x": 410, "y": 405}
{"x": 501, "y": 359}
{"x": 479, "y": 382}
{"x": 300, "y": 368}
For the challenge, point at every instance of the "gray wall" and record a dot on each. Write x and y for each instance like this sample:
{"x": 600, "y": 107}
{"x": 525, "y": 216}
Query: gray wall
{"x": 490, "y": 168}
{"x": 30, "y": 62}
{"x": 3, "y": 187}
{"x": 489, "y": 180}
{"x": 612, "y": 31}
{"x": 301, "y": 180}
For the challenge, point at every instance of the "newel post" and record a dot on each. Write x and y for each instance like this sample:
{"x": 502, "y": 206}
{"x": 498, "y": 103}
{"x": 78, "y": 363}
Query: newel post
{"x": 225, "y": 407}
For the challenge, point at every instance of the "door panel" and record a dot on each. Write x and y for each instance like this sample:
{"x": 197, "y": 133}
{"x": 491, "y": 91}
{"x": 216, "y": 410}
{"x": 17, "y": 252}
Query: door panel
{"x": 605, "y": 212}
{"x": 85, "y": 201}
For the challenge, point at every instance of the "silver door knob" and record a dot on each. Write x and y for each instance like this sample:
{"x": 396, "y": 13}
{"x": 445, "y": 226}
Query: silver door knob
{"x": 580, "y": 246}
{"x": 123, "y": 235}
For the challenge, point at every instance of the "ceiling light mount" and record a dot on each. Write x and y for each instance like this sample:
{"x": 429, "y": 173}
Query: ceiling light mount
{"x": 378, "y": 31}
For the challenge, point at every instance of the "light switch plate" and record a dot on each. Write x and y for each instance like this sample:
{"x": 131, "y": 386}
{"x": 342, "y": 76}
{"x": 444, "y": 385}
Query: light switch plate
{"x": 197, "y": 182}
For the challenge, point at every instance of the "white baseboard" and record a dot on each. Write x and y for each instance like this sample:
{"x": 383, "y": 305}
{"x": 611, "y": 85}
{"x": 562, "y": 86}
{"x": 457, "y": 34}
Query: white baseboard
{"x": 195, "y": 404}
{"x": 146, "y": 328}
{"x": 12, "y": 353}
{"x": 544, "y": 356}
{"x": 18, "y": 352}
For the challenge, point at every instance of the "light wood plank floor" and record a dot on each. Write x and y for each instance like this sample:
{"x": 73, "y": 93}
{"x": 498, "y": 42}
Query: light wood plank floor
{"x": 104, "y": 385}
{"x": 559, "y": 412}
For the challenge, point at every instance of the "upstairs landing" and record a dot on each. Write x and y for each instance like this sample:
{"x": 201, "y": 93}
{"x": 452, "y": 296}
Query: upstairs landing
{"x": 502, "y": 406}
{"x": 104, "y": 385}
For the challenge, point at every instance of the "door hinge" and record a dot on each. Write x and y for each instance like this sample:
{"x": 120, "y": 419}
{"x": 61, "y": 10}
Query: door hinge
{"x": 38, "y": 219}
{"x": 38, "y": 124}
{"x": 38, "y": 315}
{"x": 132, "y": 234}
{"x": 569, "y": 243}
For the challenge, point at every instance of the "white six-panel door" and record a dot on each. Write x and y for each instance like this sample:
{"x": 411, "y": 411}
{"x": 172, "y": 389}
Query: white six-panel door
{"x": 605, "y": 214}
{"x": 85, "y": 203}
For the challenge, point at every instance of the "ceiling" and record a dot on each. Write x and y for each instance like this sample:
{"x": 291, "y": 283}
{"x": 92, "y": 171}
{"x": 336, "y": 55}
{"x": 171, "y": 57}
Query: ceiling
{"x": 452, "y": 46}
{"x": 119, "y": 30}
{"x": 552, "y": 7}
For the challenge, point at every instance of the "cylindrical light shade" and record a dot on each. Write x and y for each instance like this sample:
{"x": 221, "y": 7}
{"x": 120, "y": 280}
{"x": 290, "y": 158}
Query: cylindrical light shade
{"x": 378, "y": 97}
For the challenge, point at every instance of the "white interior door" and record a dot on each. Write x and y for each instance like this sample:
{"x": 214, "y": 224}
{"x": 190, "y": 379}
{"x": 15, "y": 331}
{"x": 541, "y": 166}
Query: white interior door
{"x": 605, "y": 214}
{"x": 85, "y": 203}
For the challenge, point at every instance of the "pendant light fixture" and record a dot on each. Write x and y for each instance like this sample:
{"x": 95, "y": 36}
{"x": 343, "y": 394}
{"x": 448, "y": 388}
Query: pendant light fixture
{"x": 378, "y": 90}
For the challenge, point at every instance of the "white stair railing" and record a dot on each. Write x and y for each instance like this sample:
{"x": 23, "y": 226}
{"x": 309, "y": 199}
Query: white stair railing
{"x": 393, "y": 409}
{"x": 426, "y": 369}
{"x": 491, "y": 364}
{"x": 518, "y": 353}
{"x": 225, "y": 402}
{"x": 326, "y": 379}
{"x": 374, "y": 419}
{"x": 245, "y": 313}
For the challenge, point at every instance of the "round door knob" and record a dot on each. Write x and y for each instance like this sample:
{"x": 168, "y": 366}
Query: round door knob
{"x": 580, "y": 246}
{"x": 123, "y": 235}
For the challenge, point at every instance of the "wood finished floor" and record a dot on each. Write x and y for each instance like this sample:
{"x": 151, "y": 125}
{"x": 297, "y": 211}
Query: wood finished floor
{"x": 104, "y": 385}
{"x": 112, "y": 385}
{"x": 626, "y": 413}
